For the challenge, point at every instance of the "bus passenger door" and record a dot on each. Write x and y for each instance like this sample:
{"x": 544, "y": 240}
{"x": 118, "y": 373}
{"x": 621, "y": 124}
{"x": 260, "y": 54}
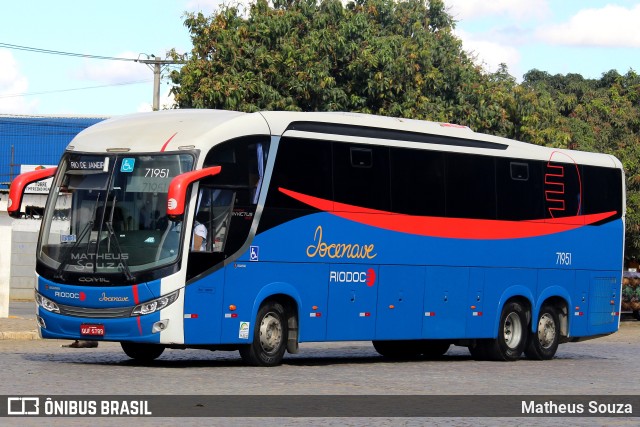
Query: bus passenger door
{"x": 400, "y": 295}
{"x": 352, "y": 302}
{"x": 445, "y": 302}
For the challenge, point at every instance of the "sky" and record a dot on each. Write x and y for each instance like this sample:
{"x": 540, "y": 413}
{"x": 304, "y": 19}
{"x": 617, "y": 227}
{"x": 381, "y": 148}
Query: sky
{"x": 587, "y": 37}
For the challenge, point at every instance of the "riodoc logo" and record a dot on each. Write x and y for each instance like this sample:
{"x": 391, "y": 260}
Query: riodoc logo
{"x": 71, "y": 295}
{"x": 368, "y": 277}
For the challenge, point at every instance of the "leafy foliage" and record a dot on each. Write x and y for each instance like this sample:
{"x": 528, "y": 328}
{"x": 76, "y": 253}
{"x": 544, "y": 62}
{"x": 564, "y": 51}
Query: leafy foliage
{"x": 401, "y": 58}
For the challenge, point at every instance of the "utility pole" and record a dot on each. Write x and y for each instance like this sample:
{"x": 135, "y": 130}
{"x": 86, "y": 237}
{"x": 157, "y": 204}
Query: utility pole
{"x": 155, "y": 64}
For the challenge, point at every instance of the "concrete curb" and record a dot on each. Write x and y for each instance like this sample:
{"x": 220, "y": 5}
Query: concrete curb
{"x": 21, "y": 335}
{"x": 18, "y": 328}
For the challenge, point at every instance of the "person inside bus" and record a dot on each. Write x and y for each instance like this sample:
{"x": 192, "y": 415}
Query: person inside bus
{"x": 199, "y": 240}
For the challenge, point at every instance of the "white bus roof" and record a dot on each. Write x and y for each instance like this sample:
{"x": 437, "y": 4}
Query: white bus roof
{"x": 170, "y": 130}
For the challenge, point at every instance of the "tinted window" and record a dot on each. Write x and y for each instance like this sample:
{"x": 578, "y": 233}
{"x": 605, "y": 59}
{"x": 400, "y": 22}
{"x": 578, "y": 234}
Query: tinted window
{"x": 303, "y": 166}
{"x": 361, "y": 175}
{"x": 519, "y": 189}
{"x": 602, "y": 189}
{"x": 471, "y": 189}
{"x": 562, "y": 190}
{"x": 417, "y": 182}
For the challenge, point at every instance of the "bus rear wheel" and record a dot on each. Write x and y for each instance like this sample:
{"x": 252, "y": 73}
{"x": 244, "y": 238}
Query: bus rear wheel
{"x": 142, "y": 352}
{"x": 512, "y": 335}
{"x": 269, "y": 337}
{"x": 544, "y": 343}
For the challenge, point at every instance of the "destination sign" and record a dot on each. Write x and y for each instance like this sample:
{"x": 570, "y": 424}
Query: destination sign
{"x": 89, "y": 163}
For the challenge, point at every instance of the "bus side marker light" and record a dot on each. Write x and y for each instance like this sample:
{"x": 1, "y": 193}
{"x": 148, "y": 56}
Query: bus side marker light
{"x": 315, "y": 307}
{"x": 365, "y": 314}
{"x": 230, "y": 315}
{"x": 473, "y": 307}
{"x": 579, "y": 313}
{"x": 315, "y": 314}
{"x": 191, "y": 316}
{"x": 392, "y": 306}
{"x": 232, "y": 307}
{"x": 429, "y": 313}
{"x": 477, "y": 313}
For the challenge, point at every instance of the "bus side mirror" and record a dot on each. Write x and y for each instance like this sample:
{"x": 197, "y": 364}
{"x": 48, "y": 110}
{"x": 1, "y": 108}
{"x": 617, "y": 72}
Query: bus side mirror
{"x": 177, "y": 194}
{"x": 18, "y": 185}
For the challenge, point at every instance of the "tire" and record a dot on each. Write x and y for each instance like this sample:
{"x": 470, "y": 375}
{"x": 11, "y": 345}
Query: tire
{"x": 543, "y": 344}
{"x": 398, "y": 349}
{"x": 478, "y": 349}
{"x": 434, "y": 349}
{"x": 269, "y": 337}
{"x": 142, "y": 352}
{"x": 512, "y": 334}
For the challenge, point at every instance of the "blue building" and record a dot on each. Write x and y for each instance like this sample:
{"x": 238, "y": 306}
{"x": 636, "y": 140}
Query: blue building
{"x": 35, "y": 140}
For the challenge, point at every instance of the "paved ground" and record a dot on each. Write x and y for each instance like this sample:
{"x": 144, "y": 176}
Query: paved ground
{"x": 606, "y": 366}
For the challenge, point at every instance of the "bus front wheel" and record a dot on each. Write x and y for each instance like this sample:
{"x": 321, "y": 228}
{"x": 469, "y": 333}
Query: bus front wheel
{"x": 269, "y": 337}
{"x": 512, "y": 334}
{"x": 142, "y": 352}
{"x": 543, "y": 344}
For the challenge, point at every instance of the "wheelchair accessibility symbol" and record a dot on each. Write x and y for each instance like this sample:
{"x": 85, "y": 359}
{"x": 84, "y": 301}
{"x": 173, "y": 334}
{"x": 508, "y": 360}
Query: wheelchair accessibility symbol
{"x": 253, "y": 253}
{"x": 127, "y": 165}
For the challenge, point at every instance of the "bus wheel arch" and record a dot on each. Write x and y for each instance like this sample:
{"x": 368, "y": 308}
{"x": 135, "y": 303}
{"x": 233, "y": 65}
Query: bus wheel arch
{"x": 275, "y": 331}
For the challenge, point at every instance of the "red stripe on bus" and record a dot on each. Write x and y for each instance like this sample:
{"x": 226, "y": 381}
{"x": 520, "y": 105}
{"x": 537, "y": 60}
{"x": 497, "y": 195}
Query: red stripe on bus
{"x": 452, "y": 228}
{"x": 168, "y": 141}
{"x": 136, "y": 298}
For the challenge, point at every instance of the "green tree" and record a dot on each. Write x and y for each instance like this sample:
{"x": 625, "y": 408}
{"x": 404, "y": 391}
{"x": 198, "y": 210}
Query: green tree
{"x": 397, "y": 58}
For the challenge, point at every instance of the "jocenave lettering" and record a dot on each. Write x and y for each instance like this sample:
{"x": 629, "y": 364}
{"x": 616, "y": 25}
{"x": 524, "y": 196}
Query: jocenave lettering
{"x": 339, "y": 250}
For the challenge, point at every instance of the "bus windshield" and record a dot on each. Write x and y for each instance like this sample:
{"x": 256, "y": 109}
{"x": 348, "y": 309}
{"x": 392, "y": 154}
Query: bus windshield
{"x": 107, "y": 214}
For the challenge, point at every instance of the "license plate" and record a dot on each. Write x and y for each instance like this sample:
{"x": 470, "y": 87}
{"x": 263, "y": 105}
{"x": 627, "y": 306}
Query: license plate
{"x": 94, "y": 330}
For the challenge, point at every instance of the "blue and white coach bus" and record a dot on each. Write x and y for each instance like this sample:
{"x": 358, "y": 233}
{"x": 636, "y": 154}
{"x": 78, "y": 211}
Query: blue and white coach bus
{"x": 255, "y": 232}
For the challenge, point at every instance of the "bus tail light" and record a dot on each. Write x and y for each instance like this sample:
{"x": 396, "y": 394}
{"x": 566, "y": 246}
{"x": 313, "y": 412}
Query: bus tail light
{"x": 155, "y": 305}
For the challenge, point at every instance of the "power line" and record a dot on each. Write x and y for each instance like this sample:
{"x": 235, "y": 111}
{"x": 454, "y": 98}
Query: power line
{"x": 151, "y": 61}
{"x": 61, "y": 53}
{"x": 46, "y": 92}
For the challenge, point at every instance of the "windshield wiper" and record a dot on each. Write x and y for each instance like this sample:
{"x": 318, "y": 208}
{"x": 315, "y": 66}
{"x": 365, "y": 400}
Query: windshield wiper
{"x": 65, "y": 258}
{"x": 123, "y": 261}
{"x": 112, "y": 235}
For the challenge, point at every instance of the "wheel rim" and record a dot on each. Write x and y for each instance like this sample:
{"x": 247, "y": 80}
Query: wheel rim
{"x": 546, "y": 330}
{"x": 270, "y": 333}
{"x": 512, "y": 330}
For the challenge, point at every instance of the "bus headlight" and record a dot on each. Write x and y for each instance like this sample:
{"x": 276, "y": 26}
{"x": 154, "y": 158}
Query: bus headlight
{"x": 155, "y": 304}
{"x": 47, "y": 304}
